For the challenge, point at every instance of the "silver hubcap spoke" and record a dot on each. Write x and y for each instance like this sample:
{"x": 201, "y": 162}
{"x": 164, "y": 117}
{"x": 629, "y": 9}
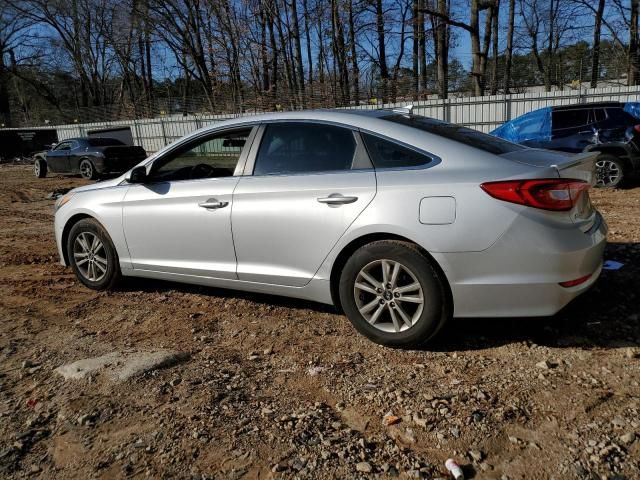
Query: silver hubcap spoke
{"x": 90, "y": 256}
{"x": 379, "y": 289}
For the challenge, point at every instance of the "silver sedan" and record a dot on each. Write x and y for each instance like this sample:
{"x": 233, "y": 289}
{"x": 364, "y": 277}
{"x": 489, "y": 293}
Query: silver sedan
{"x": 399, "y": 220}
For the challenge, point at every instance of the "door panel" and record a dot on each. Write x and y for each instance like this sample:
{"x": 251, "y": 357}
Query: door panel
{"x": 168, "y": 231}
{"x": 58, "y": 159}
{"x": 284, "y": 226}
{"x": 180, "y": 222}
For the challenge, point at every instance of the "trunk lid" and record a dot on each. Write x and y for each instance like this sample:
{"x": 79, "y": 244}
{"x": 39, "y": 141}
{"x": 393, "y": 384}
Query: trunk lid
{"x": 580, "y": 166}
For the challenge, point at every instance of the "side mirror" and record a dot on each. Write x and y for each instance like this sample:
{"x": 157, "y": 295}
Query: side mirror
{"x": 137, "y": 175}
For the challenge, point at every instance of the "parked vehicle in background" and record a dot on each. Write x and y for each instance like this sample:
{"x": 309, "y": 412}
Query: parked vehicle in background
{"x": 400, "y": 220}
{"x": 89, "y": 157}
{"x": 612, "y": 129}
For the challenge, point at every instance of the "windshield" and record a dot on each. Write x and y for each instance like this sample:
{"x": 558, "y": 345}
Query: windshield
{"x": 451, "y": 131}
{"x": 103, "y": 142}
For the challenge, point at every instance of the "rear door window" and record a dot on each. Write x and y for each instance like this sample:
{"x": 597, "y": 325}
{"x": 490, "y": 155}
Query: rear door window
{"x": 569, "y": 119}
{"x": 599, "y": 115}
{"x": 386, "y": 154}
{"x": 299, "y": 147}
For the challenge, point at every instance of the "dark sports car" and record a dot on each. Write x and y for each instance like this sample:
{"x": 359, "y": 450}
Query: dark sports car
{"x": 90, "y": 157}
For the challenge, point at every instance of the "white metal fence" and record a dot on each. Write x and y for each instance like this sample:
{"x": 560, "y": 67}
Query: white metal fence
{"x": 482, "y": 113}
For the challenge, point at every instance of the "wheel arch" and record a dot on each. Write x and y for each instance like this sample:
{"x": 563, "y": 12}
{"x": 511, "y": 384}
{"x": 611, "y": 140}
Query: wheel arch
{"x": 67, "y": 228}
{"x": 355, "y": 244}
{"x": 619, "y": 151}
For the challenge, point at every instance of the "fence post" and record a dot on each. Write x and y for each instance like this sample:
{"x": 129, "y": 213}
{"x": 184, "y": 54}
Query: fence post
{"x": 136, "y": 128}
{"x": 164, "y": 132}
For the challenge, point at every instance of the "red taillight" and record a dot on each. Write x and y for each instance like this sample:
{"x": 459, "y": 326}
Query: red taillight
{"x": 549, "y": 193}
{"x": 636, "y": 128}
{"x": 577, "y": 281}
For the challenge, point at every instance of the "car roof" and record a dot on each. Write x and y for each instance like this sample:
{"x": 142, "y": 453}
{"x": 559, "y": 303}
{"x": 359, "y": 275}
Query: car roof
{"x": 582, "y": 106}
{"x": 365, "y": 120}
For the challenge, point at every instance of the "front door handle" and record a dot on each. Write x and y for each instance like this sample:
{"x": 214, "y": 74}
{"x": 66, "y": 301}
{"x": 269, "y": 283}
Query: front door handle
{"x": 213, "y": 204}
{"x": 337, "y": 199}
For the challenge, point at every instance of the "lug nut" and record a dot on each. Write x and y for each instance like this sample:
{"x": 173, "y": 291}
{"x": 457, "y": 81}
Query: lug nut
{"x": 382, "y": 302}
{"x": 379, "y": 290}
{"x": 393, "y": 305}
{"x": 397, "y": 295}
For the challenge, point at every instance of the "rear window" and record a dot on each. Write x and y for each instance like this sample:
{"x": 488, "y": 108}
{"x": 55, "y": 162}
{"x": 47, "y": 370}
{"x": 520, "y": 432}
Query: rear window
{"x": 618, "y": 115}
{"x": 450, "y": 131}
{"x": 103, "y": 142}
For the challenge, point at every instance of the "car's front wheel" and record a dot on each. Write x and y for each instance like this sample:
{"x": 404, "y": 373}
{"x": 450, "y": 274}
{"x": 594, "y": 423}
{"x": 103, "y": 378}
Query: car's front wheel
{"x": 88, "y": 170}
{"x": 92, "y": 255}
{"x": 392, "y": 294}
{"x": 609, "y": 170}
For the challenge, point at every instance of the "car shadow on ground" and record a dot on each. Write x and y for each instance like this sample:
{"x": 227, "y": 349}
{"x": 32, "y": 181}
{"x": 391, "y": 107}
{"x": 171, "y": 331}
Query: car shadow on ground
{"x": 607, "y": 316}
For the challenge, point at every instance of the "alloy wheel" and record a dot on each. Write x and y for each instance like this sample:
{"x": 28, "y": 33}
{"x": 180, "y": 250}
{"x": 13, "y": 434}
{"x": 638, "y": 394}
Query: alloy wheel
{"x": 36, "y": 168}
{"x": 90, "y": 256}
{"x": 607, "y": 173}
{"x": 86, "y": 169}
{"x": 388, "y": 295}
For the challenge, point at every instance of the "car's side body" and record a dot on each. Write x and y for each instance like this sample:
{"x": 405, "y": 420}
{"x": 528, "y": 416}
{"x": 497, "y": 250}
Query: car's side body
{"x": 285, "y": 234}
{"x": 106, "y": 156}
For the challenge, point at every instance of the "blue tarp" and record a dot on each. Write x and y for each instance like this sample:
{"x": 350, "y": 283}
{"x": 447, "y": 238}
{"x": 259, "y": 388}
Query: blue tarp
{"x": 534, "y": 125}
{"x": 633, "y": 108}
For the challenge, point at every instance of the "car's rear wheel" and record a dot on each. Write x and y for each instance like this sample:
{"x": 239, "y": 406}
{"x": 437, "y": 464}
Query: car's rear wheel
{"x": 40, "y": 168}
{"x": 392, "y": 294}
{"x": 87, "y": 170}
{"x": 609, "y": 170}
{"x": 92, "y": 255}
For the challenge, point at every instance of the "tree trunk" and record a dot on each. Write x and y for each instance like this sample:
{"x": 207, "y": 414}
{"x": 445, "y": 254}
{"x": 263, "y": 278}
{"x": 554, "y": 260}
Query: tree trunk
{"x": 443, "y": 50}
{"x": 307, "y": 33}
{"x": 354, "y": 55}
{"x": 595, "y": 58}
{"x": 384, "y": 71}
{"x": 495, "y": 11}
{"x": 415, "y": 36}
{"x": 263, "y": 48}
{"x": 422, "y": 51}
{"x": 547, "y": 74}
{"x": 632, "y": 56}
{"x": 509, "y": 53}
{"x": 474, "y": 33}
{"x": 5, "y": 106}
{"x": 339, "y": 53}
{"x": 296, "y": 38}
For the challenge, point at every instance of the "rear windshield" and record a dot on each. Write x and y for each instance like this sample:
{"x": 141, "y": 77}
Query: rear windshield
{"x": 103, "y": 142}
{"x": 454, "y": 132}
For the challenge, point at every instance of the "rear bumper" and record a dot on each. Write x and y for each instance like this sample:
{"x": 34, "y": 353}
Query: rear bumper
{"x": 107, "y": 165}
{"x": 520, "y": 274}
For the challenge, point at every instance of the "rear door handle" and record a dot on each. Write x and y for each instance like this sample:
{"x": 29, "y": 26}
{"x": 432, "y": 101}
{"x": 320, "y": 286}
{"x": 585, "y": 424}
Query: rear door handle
{"x": 213, "y": 204}
{"x": 337, "y": 199}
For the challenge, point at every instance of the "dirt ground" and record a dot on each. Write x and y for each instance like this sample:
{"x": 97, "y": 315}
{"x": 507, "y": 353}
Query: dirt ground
{"x": 282, "y": 388}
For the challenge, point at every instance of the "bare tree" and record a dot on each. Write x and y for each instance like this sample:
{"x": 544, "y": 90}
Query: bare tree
{"x": 509, "y": 53}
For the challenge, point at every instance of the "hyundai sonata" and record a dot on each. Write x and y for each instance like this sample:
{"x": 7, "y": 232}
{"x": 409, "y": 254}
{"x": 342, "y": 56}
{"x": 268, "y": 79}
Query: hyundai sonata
{"x": 399, "y": 220}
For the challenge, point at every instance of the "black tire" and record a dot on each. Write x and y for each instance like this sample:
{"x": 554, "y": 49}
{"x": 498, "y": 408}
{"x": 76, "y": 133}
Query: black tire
{"x": 88, "y": 170}
{"x": 40, "y": 168}
{"x": 610, "y": 171}
{"x": 112, "y": 274}
{"x": 435, "y": 308}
